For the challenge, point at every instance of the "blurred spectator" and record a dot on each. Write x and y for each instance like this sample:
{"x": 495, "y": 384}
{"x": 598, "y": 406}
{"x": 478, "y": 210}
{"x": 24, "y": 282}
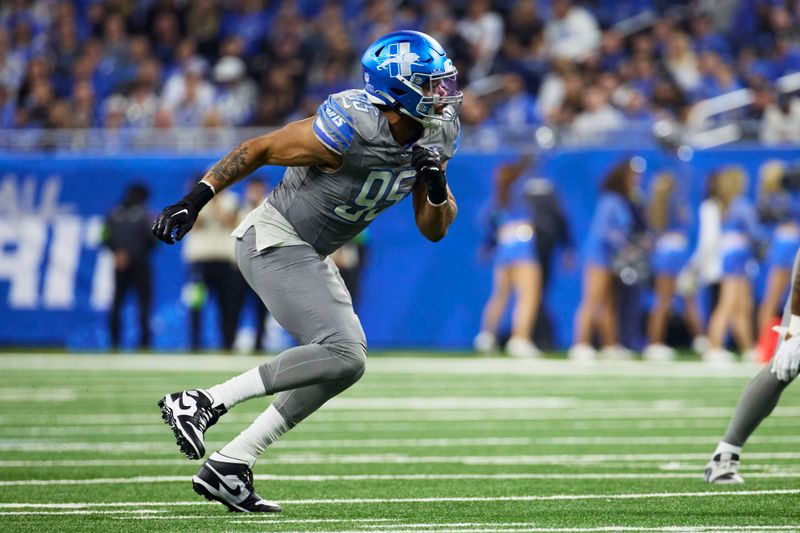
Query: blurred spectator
{"x": 516, "y": 268}
{"x": 255, "y": 192}
{"x": 705, "y": 265}
{"x": 189, "y": 95}
{"x": 517, "y": 108}
{"x": 552, "y": 232}
{"x": 165, "y": 33}
{"x": 779, "y": 213}
{"x": 127, "y": 234}
{"x": 84, "y": 110}
{"x": 705, "y": 38}
{"x": 598, "y": 116}
{"x": 248, "y": 20}
{"x": 668, "y": 221}
{"x": 523, "y": 43}
{"x": 209, "y": 252}
{"x": 236, "y": 94}
{"x": 682, "y": 63}
{"x": 781, "y": 122}
{"x": 278, "y": 100}
{"x": 482, "y": 28}
{"x": 611, "y": 232}
{"x": 143, "y": 100}
{"x": 203, "y": 22}
{"x": 572, "y": 33}
{"x": 739, "y": 233}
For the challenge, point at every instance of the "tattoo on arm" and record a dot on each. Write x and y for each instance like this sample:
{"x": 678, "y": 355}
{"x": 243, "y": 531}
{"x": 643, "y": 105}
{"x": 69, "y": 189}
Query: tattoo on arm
{"x": 230, "y": 168}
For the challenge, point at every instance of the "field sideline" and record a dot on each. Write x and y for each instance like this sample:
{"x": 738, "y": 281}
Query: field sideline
{"x": 420, "y": 444}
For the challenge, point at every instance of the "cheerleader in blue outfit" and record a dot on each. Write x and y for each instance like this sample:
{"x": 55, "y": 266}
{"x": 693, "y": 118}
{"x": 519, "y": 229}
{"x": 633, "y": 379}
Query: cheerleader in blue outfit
{"x": 779, "y": 211}
{"x": 668, "y": 220}
{"x": 516, "y": 269}
{"x": 740, "y": 231}
{"x": 612, "y": 228}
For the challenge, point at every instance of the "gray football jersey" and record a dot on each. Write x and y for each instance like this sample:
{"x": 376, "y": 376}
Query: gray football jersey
{"x": 328, "y": 209}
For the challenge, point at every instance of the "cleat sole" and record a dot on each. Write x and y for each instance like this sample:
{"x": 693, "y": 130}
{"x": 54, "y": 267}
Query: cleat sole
{"x": 186, "y": 448}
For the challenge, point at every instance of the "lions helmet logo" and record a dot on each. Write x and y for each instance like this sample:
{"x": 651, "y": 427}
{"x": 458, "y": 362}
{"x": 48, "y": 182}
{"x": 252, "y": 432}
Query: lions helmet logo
{"x": 400, "y": 60}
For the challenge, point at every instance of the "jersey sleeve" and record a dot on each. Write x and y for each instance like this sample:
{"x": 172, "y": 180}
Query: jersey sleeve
{"x": 334, "y": 126}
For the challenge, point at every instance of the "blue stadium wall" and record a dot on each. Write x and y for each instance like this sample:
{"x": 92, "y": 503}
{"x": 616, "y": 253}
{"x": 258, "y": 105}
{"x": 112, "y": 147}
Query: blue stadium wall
{"x": 54, "y": 275}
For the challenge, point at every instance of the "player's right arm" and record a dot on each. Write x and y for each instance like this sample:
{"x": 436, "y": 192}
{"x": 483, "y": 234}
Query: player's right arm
{"x": 292, "y": 145}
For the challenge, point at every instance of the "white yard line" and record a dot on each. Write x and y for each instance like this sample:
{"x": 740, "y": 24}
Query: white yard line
{"x": 55, "y": 446}
{"x": 389, "y": 477}
{"x": 645, "y": 412}
{"x": 134, "y": 512}
{"x": 451, "y": 499}
{"x": 468, "y": 365}
{"x": 522, "y": 526}
{"x": 658, "y": 459}
{"x": 495, "y": 528}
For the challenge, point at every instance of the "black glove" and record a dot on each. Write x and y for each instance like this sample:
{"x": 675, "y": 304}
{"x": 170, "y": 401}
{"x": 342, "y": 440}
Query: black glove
{"x": 176, "y": 220}
{"x": 428, "y": 165}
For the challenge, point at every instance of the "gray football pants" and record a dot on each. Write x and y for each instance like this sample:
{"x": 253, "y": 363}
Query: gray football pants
{"x": 306, "y": 295}
{"x": 761, "y": 395}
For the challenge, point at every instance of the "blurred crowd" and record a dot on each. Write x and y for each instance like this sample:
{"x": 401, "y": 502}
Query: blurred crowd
{"x": 655, "y": 276}
{"x": 588, "y": 66}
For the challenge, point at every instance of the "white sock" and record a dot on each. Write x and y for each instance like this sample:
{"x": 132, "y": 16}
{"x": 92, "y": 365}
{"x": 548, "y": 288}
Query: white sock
{"x": 238, "y": 389}
{"x": 724, "y": 447}
{"x": 252, "y": 442}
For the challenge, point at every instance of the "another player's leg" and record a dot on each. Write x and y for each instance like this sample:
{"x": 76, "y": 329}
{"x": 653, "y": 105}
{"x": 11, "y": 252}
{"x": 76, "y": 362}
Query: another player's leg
{"x": 756, "y": 403}
{"x": 307, "y": 297}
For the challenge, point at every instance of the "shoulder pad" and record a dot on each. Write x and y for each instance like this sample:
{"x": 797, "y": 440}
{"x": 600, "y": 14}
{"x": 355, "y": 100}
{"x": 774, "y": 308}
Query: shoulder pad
{"x": 343, "y": 116}
{"x": 334, "y": 126}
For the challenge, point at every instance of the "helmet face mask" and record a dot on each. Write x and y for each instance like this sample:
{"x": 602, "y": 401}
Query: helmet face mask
{"x": 410, "y": 72}
{"x": 441, "y": 98}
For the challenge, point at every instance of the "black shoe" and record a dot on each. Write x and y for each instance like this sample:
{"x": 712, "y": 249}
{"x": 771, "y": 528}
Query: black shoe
{"x": 230, "y": 482}
{"x": 189, "y": 414}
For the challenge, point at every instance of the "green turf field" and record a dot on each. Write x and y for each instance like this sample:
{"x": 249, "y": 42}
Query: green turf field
{"x": 422, "y": 444}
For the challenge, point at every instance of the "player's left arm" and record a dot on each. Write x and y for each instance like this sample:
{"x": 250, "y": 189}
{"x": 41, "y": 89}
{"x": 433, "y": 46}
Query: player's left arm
{"x": 434, "y": 204}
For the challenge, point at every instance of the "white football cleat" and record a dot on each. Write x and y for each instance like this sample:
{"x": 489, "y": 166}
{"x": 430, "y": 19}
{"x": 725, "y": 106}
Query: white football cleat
{"x": 723, "y": 468}
{"x": 230, "y": 482}
{"x": 582, "y": 352}
{"x": 189, "y": 414}
{"x": 658, "y": 352}
{"x": 522, "y": 349}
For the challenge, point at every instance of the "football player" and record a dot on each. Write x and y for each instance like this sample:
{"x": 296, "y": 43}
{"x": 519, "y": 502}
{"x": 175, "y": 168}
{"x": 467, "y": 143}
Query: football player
{"x": 762, "y": 393}
{"x": 365, "y": 150}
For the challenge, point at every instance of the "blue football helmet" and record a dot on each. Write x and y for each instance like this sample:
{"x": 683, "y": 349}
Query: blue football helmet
{"x": 410, "y": 72}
